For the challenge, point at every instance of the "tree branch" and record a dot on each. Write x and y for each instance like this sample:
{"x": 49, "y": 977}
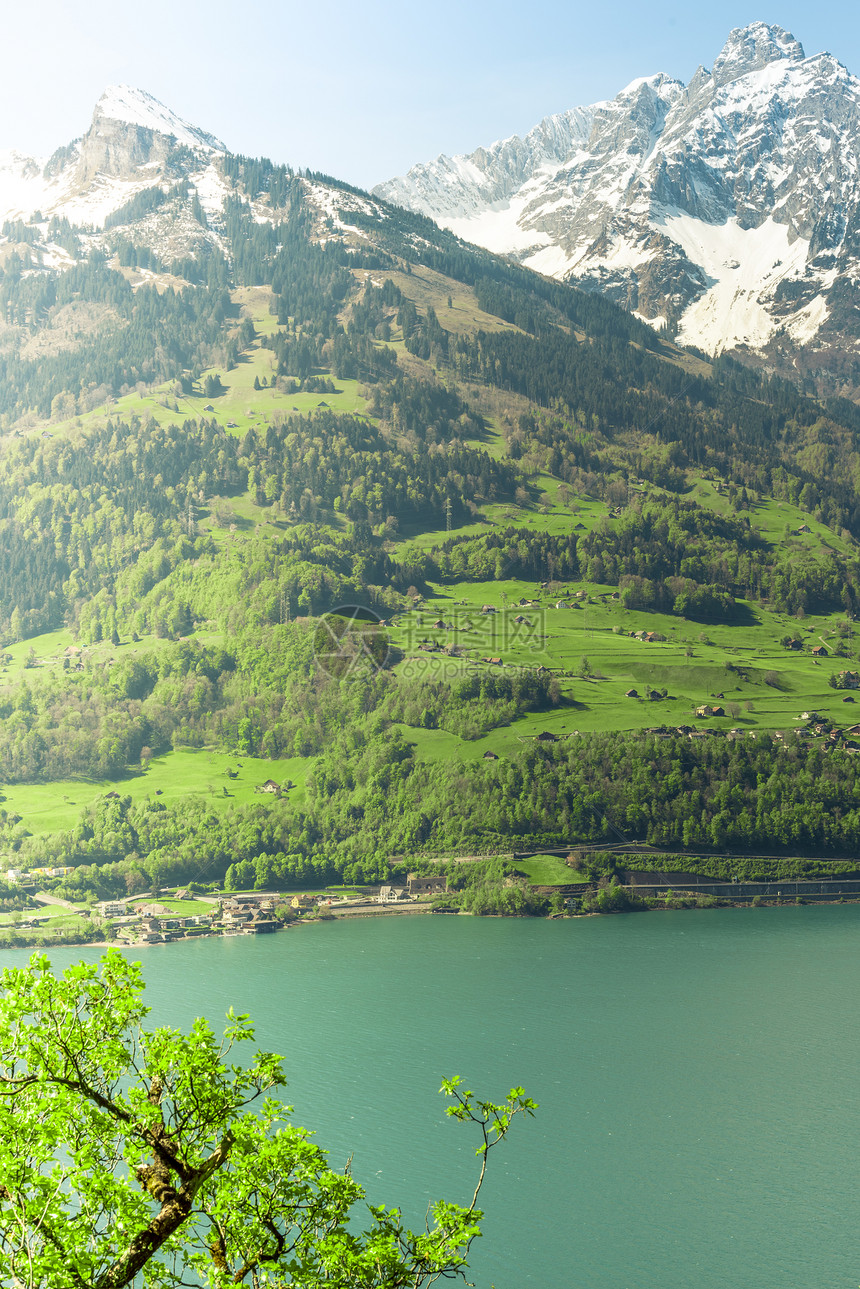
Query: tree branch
{"x": 170, "y": 1217}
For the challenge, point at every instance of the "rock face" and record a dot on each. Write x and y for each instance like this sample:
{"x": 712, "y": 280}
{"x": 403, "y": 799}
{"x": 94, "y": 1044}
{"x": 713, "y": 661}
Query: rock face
{"x": 131, "y": 129}
{"x": 727, "y": 209}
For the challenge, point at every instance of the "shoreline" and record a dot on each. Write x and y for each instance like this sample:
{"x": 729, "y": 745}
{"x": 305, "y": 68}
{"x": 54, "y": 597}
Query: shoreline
{"x": 369, "y": 913}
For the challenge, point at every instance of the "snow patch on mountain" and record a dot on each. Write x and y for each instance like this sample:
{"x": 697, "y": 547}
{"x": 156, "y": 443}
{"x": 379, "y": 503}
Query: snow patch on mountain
{"x": 212, "y": 189}
{"x": 333, "y": 204}
{"x": 744, "y": 265}
{"x": 92, "y": 206}
{"x": 23, "y": 187}
{"x": 498, "y": 228}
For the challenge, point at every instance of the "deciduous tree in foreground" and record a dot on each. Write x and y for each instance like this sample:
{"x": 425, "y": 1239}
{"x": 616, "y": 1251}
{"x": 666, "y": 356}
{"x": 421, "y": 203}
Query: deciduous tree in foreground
{"x": 156, "y": 1158}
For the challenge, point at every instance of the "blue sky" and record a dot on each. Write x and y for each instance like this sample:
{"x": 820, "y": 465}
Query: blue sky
{"x": 362, "y": 90}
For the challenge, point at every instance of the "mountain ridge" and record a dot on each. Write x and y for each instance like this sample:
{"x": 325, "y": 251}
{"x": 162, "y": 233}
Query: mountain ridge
{"x": 686, "y": 204}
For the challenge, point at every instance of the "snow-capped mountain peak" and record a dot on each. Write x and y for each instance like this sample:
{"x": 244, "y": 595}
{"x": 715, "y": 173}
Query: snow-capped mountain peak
{"x": 132, "y": 106}
{"x": 727, "y": 209}
{"x": 748, "y": 49}
{"x": 134, "y": 142}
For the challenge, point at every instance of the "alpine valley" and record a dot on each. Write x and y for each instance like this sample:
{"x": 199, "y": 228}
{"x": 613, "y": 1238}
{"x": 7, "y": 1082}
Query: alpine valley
{"x": 332, "y": 545}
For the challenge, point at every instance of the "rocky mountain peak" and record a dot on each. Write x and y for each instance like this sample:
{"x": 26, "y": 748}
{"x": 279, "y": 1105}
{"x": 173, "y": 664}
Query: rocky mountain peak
{"x": 130, "y": 106}
{"x": 134, "y": 142}
{"x": 726, "y": 210}
{"x": 748, "y": 49}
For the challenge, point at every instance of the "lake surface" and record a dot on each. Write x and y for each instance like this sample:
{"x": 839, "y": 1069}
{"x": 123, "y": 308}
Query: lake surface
{"x": 697, "y": 1075}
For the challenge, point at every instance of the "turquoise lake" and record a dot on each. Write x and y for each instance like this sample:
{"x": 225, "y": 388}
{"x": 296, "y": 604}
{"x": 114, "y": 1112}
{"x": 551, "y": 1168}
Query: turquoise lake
{"x": 697, "y": 1075}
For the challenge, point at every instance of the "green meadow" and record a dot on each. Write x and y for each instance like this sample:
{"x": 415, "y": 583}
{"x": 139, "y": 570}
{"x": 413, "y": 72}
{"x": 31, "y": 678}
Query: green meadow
{"x": 221, "y": 779}
{"x": 184, "y": 908}
{"x": 548, "y": 870}
{"x": 589, "y": 644}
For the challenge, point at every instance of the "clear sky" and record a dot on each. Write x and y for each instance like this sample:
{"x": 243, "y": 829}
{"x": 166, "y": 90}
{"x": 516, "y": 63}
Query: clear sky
{"x": 364, "y": 89}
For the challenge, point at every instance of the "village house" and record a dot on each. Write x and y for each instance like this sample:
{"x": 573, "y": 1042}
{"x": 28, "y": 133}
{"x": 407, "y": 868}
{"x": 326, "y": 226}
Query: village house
{"x": 236, "y": 917}
{"x": 302, "y": 902}
{"x": 819, "y": 651}
{"x": 261, "y": 924}
{"x": 112, "y": 908}
{"x": 393, "y": 895}
{"x": 270, "y": 786}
